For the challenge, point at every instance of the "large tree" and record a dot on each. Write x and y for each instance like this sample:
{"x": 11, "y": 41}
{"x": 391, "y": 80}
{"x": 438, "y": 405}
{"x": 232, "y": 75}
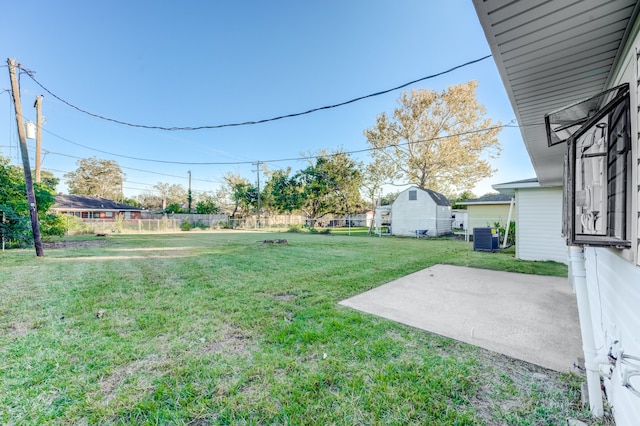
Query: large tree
{"x": 436, "y": 140}
{"x": 282, "y": 192}
{"x": 330, "y": 186}
{"x": 96, "y": 177}
{"x": 15, "y": 223}
{"x": 242, "y": 193}
{"x": 374, "y": 176}
{"x": 163, "y": 195}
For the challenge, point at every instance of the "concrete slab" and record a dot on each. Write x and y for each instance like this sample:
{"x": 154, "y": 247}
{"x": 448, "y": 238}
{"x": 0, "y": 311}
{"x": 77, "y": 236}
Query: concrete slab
{"x": 529, "y": 317}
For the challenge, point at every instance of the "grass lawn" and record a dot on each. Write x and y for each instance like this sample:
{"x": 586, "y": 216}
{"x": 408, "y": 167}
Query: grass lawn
{"x": 217, "y": 328}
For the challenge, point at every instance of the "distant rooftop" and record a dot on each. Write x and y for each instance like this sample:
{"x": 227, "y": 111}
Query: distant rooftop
{"x": 488, "y": 199}
{"x": 85, "y": 202}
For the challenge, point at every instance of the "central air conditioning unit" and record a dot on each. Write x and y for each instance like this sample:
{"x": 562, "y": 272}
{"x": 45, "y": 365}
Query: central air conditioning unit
{"x": 486, "y": 239}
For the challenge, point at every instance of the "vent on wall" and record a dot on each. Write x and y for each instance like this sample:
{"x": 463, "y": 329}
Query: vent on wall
{"x": 486, "y": 239}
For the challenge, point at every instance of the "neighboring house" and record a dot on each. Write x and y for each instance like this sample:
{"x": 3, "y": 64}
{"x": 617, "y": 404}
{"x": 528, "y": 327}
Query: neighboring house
{"x": 87, "y": 207}
{"x": 571, "y": 71}
{"x": 420, "y": 209}
{"x": 538, "y": 214}
{"x": 487, "y": 210}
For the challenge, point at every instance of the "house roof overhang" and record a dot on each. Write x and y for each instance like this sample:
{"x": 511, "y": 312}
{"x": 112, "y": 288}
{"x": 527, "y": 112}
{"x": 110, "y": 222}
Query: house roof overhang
{"x": 551, "y": 54}
{"x": 509, "y": 188}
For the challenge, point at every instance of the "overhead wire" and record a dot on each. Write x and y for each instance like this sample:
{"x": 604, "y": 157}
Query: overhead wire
{"x": 278, "y": 160}
{"x": 122, "y": 167}
{"x": 247, "y": 123}
{"x": 408, "y": 143}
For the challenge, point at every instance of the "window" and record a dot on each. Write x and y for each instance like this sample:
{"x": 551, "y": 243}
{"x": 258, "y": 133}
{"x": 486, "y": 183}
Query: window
{"x": 413, "y": 195}
{"x": 596, "y": 183}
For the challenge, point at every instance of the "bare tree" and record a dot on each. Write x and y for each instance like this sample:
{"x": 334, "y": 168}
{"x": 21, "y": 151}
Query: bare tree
{"x": 436, "y": 140}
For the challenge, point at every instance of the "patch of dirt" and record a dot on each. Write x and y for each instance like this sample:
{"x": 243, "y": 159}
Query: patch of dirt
{"x": 285, "y": 296}
{"x": 204, "y": 421}
{"x": 231, "y": 340}
{"x": 109, "y": 385}
{"x": 73, "y": 244}
{"x": 280, "y": 241}
{"x": 18, "y": 328}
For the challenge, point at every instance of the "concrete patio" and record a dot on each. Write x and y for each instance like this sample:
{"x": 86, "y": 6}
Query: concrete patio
{"x": 529, "y": 317}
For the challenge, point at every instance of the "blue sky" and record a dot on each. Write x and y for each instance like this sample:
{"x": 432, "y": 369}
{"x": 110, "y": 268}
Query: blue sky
{"x": 196, "y": 63}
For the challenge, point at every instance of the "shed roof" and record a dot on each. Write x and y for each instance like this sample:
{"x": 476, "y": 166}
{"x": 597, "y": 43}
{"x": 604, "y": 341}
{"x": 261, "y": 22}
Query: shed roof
{"x": 438, "y": 198}
{"x": 85, "y": 202}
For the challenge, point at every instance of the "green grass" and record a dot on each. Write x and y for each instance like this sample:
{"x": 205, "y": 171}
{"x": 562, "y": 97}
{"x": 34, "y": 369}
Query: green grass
{"x": 217, "y": 328}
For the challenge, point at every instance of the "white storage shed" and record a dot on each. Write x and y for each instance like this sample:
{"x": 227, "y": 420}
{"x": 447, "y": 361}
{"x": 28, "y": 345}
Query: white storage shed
{"x": 417, "y": 209}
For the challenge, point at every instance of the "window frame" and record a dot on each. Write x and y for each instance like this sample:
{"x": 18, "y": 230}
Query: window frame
{"x": 613, "y": 114}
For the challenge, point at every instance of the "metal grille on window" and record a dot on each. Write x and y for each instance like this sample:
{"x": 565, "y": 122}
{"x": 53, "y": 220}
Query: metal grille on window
{"x": 598, "y": 167}
{"x": 598, "y": 176}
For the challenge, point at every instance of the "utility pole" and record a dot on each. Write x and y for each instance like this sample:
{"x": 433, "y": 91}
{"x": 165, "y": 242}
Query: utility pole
{"x": 258, "y": 172}
{"x": 31, "y": 198}
{"x": 39, "y": 122}
{"x": 189, "y": 196}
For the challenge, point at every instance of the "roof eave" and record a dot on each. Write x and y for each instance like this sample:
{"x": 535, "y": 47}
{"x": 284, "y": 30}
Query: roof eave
{"x": 536, "y": 51}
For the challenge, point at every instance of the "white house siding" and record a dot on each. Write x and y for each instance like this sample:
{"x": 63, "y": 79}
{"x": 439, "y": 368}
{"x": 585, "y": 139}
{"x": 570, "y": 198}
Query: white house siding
{"x": 614, "y": 292}
{"x": 613, "y": 279}
{"x": 423, "y": 213}
{"x": 539, "y": 228}
{"x": 612, "y": 275}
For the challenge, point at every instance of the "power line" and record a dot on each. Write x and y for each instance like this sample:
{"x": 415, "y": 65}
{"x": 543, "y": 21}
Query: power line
{"x": 122, "y": 167}
{"x": 246, "y": 123}
{"x": 143, "y": 159}
{"x": 309, "y": 157}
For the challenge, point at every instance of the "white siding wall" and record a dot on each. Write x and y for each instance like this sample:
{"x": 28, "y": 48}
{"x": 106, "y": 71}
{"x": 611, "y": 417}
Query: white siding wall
{"x": 613, "y": 279}
{"x": 614, "y": 291}
{"x": 409, "y": 215}
{"x": 443, "y": 220}
{"x": 539, "y": 225}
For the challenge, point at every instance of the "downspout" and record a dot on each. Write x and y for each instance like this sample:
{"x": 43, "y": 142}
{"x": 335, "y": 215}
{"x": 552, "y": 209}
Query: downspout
{"x": 591, "y": 359}
{"x": 508, "y": 225}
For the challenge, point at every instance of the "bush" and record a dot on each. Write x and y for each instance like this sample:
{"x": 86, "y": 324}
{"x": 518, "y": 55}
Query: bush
{"x": 185, "y": 226}
{"x": 200, "y": 225}
{"x": 75, "y": 225}
{"x": 53, "y": 225}
{"x": 511, "y": 236}
{"x": 294, "y": 229}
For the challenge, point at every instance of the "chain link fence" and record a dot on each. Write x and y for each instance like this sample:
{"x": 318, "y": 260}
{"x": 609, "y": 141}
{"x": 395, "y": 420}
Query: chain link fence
{"x": 151, "y": 223}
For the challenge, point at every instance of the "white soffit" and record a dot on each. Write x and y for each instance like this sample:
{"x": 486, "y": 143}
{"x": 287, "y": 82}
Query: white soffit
{"x": 551, "y": 54}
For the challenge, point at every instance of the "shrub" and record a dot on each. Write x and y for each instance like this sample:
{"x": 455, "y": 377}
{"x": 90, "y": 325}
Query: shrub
{"x": 53, "y": 225}
{"x": 511, "y": 236}
{"x": 185, "y": 226}
{"x": 75, "y": 225}
{"x": 200, "y": 225}
{"x": 294, "y": 229}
